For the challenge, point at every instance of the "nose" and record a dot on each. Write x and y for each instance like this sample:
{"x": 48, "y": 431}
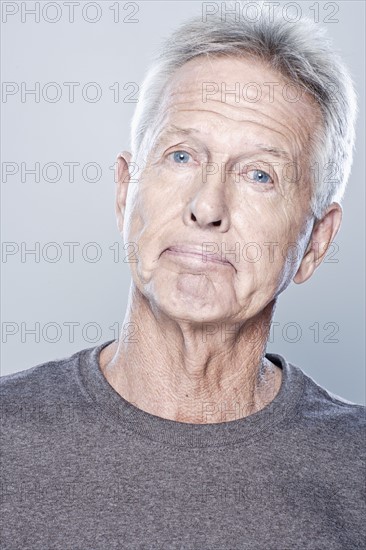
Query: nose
{"x": 208, "y": 207}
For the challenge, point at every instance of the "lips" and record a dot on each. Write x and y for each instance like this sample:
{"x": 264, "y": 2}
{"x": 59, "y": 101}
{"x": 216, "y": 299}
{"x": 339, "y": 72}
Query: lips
{"x": 196, "y": 251}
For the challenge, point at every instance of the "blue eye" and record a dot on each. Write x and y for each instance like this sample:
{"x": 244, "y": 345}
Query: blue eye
{"x": 261, "y": 177}
{"x": 181, "y": 157}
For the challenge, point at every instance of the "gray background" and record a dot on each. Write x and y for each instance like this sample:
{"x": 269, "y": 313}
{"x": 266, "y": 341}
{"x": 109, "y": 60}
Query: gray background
{"x": 82, "y": 211}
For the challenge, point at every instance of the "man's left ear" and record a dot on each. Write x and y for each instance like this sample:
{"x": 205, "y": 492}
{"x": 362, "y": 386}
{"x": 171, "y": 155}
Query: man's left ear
{"x": 122, "y": 179}
{"x": 322, "y": 235}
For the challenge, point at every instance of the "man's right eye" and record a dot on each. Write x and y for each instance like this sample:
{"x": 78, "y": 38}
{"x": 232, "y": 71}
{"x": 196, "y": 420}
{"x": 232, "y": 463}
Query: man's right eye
{"x": 180, "y": 157}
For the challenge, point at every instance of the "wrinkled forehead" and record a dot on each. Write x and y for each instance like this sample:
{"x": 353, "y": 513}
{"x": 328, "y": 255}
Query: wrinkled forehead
{"x": 243, "y": 89}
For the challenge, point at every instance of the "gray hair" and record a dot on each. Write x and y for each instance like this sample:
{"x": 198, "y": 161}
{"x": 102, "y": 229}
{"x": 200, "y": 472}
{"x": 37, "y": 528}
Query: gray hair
{"x": 299, "y": 51}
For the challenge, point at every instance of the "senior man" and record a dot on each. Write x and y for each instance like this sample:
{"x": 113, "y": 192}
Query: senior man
{"x": 185, "y": 433}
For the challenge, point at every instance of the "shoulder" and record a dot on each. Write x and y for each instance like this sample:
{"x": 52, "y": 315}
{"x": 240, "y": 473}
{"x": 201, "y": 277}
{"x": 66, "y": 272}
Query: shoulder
{"x": 42, "y": 385}
{"x": 330, "y": 416}
{"x": 327, "y": 403}
{"x": 44, "y": 395}
{"x": 31, "y": 376}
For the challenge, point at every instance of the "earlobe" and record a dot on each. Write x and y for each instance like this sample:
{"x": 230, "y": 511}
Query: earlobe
{"x": 306, "y": 267}
{"x": 122, "y": 178}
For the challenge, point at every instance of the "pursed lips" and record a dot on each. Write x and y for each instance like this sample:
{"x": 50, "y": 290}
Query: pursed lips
{"x": 196, "y": 251}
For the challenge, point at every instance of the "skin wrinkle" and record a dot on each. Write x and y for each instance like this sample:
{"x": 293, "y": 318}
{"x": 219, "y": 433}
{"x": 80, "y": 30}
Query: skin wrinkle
{"x": 177, "y": 364}
{"x": 296, "y": 143}
{"x": 170, "y": 95}
{"x": 294, "y": 136}
{"x": 225, "y": 159}
{"x": 278, "y": 153}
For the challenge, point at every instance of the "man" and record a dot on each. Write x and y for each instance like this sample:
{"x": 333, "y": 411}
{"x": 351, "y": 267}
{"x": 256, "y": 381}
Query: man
{"x": 185, "y": 433}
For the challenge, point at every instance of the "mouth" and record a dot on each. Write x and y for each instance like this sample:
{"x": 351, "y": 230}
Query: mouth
{"x": 195, "y": 255}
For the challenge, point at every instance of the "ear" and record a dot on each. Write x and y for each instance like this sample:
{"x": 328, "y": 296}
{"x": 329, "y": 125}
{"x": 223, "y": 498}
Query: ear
{"x": 322, "y": 235}
{"x": 122, "y": 178}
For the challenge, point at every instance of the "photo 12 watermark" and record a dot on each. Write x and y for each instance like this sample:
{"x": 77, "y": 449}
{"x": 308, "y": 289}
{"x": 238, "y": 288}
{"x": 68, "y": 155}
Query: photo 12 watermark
{"x": 70, "y": 12}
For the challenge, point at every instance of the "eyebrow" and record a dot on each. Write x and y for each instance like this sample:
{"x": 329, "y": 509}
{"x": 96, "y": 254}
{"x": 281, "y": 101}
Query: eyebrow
{"x": 275, "y": 151}
{"x": 176, "y": 130}
{"x": 173, "y": 129}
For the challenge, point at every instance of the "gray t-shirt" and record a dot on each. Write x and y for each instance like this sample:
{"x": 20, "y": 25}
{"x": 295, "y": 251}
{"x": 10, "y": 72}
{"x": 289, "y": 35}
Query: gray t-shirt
{"x": 83, "y": 469}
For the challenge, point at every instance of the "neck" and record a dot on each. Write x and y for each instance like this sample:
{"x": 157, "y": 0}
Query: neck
{"x": 198, "y": 373}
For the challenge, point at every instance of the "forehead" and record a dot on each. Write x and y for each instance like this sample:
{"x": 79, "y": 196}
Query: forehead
{"x": 240, "y": 95}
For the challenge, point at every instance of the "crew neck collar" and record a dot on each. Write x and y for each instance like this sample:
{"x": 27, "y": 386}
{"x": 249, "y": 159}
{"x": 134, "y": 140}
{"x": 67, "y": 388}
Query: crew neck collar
{"x": 170, "y": 432}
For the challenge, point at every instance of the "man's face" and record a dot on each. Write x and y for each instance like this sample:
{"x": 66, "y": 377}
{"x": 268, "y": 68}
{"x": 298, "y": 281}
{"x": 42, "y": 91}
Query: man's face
{"x": 229, "y": 184}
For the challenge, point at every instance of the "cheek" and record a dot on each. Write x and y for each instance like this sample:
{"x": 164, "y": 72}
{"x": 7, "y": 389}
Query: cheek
{"x": 136, "y": 215}
{"x": 143, "y": 198}
{"x": 286, "y": 249}
{"x": 164, "y": 192}
{"x": 268, "y": 235}
{"x": 151, "y": 206}
{"x": 260, "y": 219}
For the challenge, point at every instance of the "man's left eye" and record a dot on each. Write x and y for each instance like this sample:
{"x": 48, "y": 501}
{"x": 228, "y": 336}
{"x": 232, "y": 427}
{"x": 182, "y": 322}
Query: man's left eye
{"x": 259, "y": 176}
{"x": 180, "y": 157}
